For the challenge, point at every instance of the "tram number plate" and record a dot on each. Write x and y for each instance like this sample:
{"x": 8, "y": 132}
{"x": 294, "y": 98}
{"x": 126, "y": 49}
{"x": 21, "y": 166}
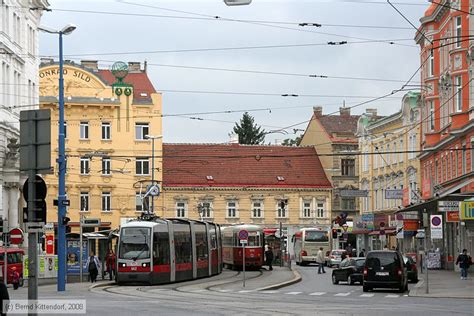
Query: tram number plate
{"x": 133, "y": 263}
{"x": 133, "y": 268}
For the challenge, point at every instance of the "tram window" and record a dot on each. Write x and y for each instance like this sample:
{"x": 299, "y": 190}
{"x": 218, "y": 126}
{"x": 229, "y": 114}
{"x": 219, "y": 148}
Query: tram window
{"x": 254, "y": 240}
{"x": 182, "y": 243}
{"x": 201, "y": 245}
{"x": 161, "y": 248}
{"x": 134, "y": 243}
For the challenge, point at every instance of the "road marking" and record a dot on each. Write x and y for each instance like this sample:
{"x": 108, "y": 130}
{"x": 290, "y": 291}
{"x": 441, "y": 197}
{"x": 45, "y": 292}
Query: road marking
{"x": 293, "y": 293}
{"x": 246, "y": 291}
{"x": 392, "y": 295}
{"x": 343, "y": 294}
{"x": 198, "y": 291}
{"x": 269, "y": 292}
{"x": 367, "y": 295}
{"x": 318, "y": 293}
{"x": 224, "y": 291}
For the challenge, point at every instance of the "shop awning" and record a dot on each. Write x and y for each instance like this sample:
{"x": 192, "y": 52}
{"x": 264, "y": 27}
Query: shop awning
{"x": 433, "y": 203}
{"x": 387, "y": 232}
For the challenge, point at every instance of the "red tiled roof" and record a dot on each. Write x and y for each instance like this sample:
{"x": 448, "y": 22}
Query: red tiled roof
{"x": 346, "y": 124}
{"x": 242, "y": 165}
{"x": 140, "y": 81}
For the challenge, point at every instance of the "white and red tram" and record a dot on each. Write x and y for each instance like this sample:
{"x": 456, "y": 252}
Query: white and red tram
{"x": 155, "y": 250}
{"x": 232, "y": 249}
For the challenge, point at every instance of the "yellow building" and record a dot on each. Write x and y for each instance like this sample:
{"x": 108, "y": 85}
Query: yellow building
{"x": 107, "y": 115}
{"x": 232, "y": 183}
{"x": 389, "y": 167}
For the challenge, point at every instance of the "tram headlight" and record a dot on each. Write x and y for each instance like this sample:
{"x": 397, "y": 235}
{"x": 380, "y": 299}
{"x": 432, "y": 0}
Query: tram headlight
{"x": 123, "y": 264}
{"x": 145, "y": 264}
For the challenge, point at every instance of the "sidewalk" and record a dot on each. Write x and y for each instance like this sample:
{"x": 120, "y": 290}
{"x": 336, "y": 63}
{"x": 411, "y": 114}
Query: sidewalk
{"x": 444, "y": 284}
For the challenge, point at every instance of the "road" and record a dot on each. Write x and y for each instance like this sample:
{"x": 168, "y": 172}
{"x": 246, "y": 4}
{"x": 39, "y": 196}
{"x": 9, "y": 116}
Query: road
{"x": 220, "y": 295}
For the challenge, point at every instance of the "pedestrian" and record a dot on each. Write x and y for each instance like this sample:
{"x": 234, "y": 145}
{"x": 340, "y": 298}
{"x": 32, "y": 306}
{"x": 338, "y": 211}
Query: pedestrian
{"x": 15, "y": 278}
{"x": 110, "y": 262}
{"x": 320, "y": 260}
{"x": 268, "y": 257}
{"x": 464, "y": 262}
{"x": 4, "y": 297}
{"x": 93, "y": 266}
{"x": 349, "y": 249}
{"x": 362, "y": 253}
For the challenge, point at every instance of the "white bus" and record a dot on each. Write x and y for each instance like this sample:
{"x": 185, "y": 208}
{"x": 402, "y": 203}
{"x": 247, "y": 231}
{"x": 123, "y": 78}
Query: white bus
{"x": 307, "y": 241}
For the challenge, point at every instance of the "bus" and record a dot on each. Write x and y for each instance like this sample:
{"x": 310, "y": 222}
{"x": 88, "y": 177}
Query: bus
{"x": 307, "y": 241}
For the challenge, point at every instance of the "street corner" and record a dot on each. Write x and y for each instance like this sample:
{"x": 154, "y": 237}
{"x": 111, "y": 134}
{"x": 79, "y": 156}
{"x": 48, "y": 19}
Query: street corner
{"x": 281, "y": 278}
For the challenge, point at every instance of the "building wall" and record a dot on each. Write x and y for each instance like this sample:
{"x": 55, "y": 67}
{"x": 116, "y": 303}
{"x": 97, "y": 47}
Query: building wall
{"x": 89, "y": 99}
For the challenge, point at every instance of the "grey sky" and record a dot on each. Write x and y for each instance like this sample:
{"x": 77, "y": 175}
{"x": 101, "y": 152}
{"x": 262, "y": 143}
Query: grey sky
{"x": 101, "y": 33}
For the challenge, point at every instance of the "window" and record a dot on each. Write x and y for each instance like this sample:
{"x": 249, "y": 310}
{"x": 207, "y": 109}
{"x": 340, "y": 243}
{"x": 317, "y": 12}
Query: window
{"x": 282, "y": 208}
{"x": 458, "y": 91}
{"x": 231, "y": 209}
{"x": 84, "y": 207}
{"x": 432, "y": 116}
{"x": 348, "y": 167}
{"x": 181, "y": 209}
{"x": 472, "y": 155}
{"x": 85, "y": 165}
{"x": 257, "y": 209}
{"x": 388, "y": 154}
{"x": 431, "y": 64}
{"x": 394, "y": 159}
{"x": 105, "y": 131}
{"x": 141, "y": 204}
{"x": 106, "y": 199}
{"x": 306, "y": 208}
{"x": 320, "y": 210}
{"x": 458, "y": 32}
{"x": 142, "y": 166}
{"x": 456, "y": 162}
{"x": 401, "y": 151}
{"x": 464, "y": 158}
{"x": 348, "y": 203}
{"x": 84, "y": 130}
{"x": 105, "y": 166}
{"x": 141, "y": 130}
{"x": 205, "y": 209}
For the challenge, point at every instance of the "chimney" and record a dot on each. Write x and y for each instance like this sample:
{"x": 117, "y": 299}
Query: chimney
{"x": 91, "y": 64}
{"x": 343, "y": 111}
{"x": 318, "y": 111}
{"x": 46, "y": 60}
{"x": 134, "y": 66}
{"x": 371, "y": 112}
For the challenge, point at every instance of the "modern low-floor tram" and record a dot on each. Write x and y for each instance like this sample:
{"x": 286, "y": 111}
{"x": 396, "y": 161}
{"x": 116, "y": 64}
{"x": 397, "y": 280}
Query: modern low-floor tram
{"x": 158, "y": 251}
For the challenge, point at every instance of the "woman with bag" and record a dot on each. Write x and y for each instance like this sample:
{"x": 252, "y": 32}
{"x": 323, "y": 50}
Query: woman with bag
{"x": 93, "y": 266}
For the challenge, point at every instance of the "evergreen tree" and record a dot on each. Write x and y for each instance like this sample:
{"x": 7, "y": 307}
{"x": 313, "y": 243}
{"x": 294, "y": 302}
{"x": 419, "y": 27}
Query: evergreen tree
{"x": 249, "y": 132}
{"x": 292, "y": 142}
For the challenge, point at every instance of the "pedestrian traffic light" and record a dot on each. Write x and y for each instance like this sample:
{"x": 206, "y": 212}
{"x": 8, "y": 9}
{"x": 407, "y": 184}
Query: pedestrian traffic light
{"x": 334, "y": 233}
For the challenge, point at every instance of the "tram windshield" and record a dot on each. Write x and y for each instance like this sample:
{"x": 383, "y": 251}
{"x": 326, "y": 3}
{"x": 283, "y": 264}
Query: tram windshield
{"x": 135, "y": 243}
{"x": 316, "y": 236}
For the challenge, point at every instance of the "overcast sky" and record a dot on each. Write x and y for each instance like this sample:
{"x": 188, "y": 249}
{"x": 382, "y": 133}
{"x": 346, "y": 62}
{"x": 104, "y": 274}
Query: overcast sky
{"x": 148, "y": 26}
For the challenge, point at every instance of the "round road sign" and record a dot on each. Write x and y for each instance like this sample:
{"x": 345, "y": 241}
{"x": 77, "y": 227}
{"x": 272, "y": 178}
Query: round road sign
{"x": 16, "y": 236}
{"x": 436, "y": 221}
{"x": 243, "y": 234}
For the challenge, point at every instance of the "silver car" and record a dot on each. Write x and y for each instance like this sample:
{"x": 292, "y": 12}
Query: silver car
{"x": 335, "y": 257}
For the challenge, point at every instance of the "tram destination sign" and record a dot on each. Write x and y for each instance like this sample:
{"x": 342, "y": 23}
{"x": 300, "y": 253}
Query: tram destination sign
{"x": 354, "y": 193}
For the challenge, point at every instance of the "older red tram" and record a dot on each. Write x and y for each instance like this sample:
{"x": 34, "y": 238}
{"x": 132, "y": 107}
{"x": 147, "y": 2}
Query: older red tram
{"x": 232, "y": 249}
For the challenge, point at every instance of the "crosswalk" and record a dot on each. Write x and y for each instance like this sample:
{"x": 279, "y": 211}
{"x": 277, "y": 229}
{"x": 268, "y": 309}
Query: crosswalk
{"x": 341, "y": 294}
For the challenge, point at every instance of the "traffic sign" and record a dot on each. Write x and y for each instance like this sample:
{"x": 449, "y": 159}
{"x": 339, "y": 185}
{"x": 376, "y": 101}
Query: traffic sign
{"x": 243, "y": 241}
{"x": 16, "y": 236}
{"x": 40, "y": 186}
{"x": 243, "y": 234}
{"x": 420, "y": 233}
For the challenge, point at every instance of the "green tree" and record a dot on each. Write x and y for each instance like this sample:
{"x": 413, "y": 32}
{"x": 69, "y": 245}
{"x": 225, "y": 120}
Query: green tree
{"x": 292, "y": 142}
{"x": 249, "y": 132}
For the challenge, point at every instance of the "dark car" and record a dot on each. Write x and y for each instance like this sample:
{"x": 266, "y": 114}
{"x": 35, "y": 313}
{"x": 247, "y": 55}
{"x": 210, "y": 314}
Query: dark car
{"x": 385, "y": 269}
{"x": 350, "y": 271}
{"x": 412, "y": 270}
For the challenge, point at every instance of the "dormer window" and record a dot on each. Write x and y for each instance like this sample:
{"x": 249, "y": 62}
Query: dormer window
{"x": 210, "y": 178}
{"x": 280, "y": 178}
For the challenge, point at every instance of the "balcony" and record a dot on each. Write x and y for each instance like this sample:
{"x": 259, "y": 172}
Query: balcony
{"x": 459, "y": 120}
{"x": 432, "y": 139}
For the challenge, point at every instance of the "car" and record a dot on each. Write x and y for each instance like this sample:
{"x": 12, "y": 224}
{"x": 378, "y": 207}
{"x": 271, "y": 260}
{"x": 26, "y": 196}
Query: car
{"x": 412, "y": 270}
{"x": 350, "y": 270}
{"x": 335, "y": 257}
{"x": 385, "y": 269}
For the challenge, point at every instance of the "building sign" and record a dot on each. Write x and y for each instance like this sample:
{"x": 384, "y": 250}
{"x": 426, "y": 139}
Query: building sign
{"x": 452, "y": 217}
{"x": 406, "y": 197}
{"x": 394, "y": 194}
{"x": 436, "y": 226}
{"x": 362, "y": 224}
{"x": 448, "y": 206}
{"x": 426, "y": 189}
{"x": 354, "y": 193}
{"x": 73, "y": 256}
{"x": 467, "y": 211}
{"x": 410, "y": 225}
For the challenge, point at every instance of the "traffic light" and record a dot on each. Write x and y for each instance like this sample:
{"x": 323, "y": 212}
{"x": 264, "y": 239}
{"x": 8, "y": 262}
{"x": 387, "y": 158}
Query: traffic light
{"x": 1, "y": 225}
{"x": 65, "y": 220}
{"x": 334, "y": 233}
{"x": 39, "y": 204}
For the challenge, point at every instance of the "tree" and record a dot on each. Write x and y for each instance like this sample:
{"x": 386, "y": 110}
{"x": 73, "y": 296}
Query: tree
{"x": 292, "y": 142}
{"x": 249, "y": 132}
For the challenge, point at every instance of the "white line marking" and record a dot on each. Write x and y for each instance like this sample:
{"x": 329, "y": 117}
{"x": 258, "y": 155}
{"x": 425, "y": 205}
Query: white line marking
{"x": 224, "y": 291}
{"x": 318, "y": 293}
{"x": 293, "y": 293}
{"x": 367, "y": 295}
{"x": 246, "y": 291}
{"x": 269, "y": 292}
{"x": 392, "y": 295}
{"x": 343, "y": 294}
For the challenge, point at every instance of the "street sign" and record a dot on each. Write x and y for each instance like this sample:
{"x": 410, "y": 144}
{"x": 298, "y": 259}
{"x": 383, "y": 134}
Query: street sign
{"x": 345, "y": 227}
{"x": 35, "y": 141}
{"x": 34, "y": 227}
{"x": 16, "y": 236}
{"x": 448, "y": 206}
{"x": 243, "y": 235}
{"x": 420, "y": 233}
{"x": 243, "y": 241}
{"x": 354, "y": 193}
{"x": 436, "y": 226}
{"x": 66, "y": 202}
{"x": 91, "y": 222}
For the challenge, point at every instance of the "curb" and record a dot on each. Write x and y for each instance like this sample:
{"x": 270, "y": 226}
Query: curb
{"x": 97, "y": 285}
{"x": 418, "y": 288}
{"x": 296, "y": 279}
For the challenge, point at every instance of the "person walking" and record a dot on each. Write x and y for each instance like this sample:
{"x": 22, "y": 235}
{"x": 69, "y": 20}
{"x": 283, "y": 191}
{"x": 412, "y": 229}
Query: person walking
{"x": 464, "y": 262}
{"x": 268, "y": 257}
{"x": 320, "y": 260}
{"x": 4, "y": 297}
{"x": 15, "y": 278}
{"x": 110, "y": 262}
{"x": 93, "y": 266}
{"x": 362, "y": 253}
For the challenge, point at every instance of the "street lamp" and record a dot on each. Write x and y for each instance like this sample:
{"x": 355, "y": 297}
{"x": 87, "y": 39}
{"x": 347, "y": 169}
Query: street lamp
{"x": 153, "y": 166}
{"x": 68, "y": 29}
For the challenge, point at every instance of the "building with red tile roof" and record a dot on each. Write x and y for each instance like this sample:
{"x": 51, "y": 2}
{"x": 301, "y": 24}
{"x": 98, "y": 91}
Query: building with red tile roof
{"x": 246, "y": 183}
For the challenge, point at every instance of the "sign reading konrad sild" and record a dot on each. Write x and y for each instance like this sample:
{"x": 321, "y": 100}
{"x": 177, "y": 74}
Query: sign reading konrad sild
{"x": 448, "y": 206}
{"x": 436, "y": 226}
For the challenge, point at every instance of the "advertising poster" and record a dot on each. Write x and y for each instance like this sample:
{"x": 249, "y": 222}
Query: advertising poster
{"x": 73, "y": 256}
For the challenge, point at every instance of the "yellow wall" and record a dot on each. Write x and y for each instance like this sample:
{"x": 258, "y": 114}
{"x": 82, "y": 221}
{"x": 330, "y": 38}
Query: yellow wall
{"x": 87, "y": 98}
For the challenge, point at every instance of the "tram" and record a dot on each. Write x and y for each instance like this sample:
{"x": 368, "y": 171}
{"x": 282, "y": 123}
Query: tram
{"x": 232, "y": 250}
{"x": 154, "y": 250}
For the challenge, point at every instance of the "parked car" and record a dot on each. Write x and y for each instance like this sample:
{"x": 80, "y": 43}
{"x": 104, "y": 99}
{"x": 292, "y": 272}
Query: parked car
{"x": 335, "y": 257}
{"x": 385, "y": 269}
{"x": 350, "y": 270}
{"x": 412, "y": 270}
